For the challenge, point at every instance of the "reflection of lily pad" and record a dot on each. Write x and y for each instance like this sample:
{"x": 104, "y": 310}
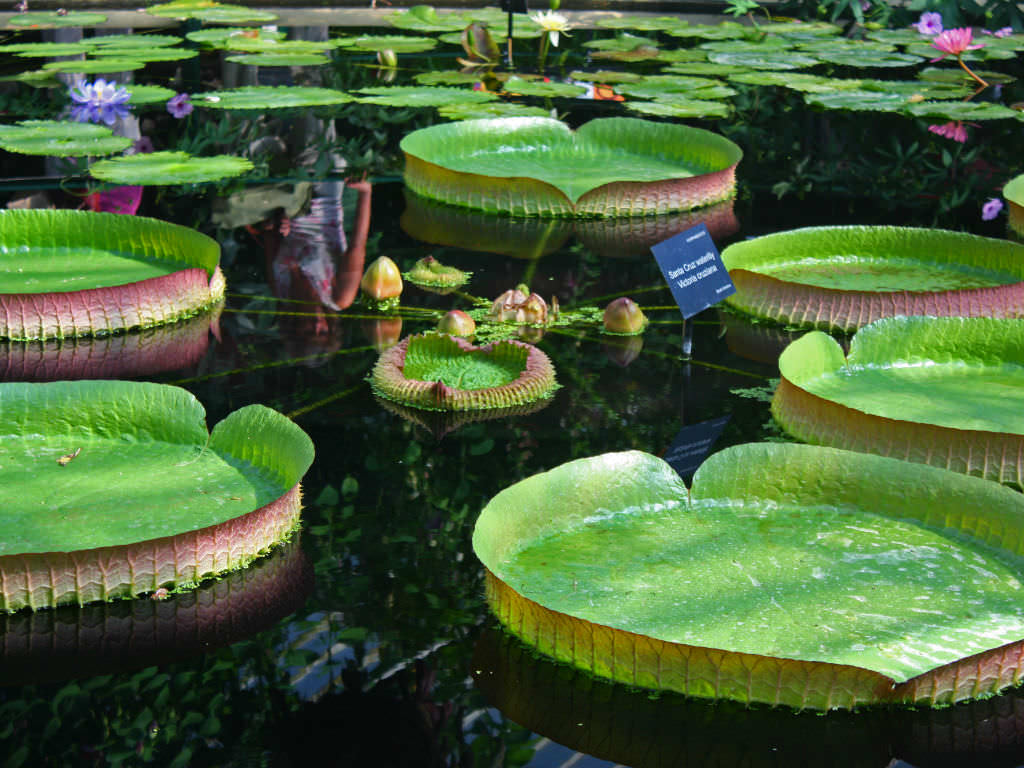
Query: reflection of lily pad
{"x": 539, "y": 167}
{"x": 130, "y": 493}
{"x": 408, "y": 96}
{"x": 169, "y": 168}
{"x": 59, "y": 138}
{"x": 437, "y": 372}
{"x": 609, "y": 564}
{"x": 49, "y": 20}
{"x": 845, "y": 277}
{"x": 943, "y": 391}
{"x": 78, "y": 273}
{"x": 264, "y": 97}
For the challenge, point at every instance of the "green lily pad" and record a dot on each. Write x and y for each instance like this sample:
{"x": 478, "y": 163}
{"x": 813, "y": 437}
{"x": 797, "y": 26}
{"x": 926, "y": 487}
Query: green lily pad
{"x": 265, "y": 97}
{"x": 136, "y": 54}
{"x": 623, "y": 42}
{"x": 765, "y": 60}
{"x": 797, "y": 81}
{"x": 490, "y": 109}
{"x": 60, "y": 138}
{"x": 519, "y": 86}
{"x": 1014, "y": 190}
{"x": 158, "y": 168}
{"x": 539, "y": 167}
{"x": 211, "y": 12}
{"x": 950, "y": 75}
{"x": 941, "y": 391}
{"x": 869, "y": 59}
{"x": 278, "y": 47}
{"x": 396, "y": 43}
{"x": 437, "y": 372}
{"x": 424, "y": 18}
{"x": 640, "y": 53}
{"x": 896, "y": 36}
{"x": 684, "y": 55}
{"x": 845, "y": 277}
{"x": 132, "y": 41}
{"x": 657, "y": 86}
{"x": 430, "y": 273}
{"x": 53, "y": 19}
{"x": 215, "y": 37}
{"x": 99, "y": 66}
{"x": 776, "y": 579}
{"x": 768, "y": 44}
{"x": 641, "y": 23}
{"x": 701, "y": 68}
{"x": 681, "y": 107}
{"x": 1014, "y": 194}
{"x": 42, "y": 50}
{"x": 860, "y": 101}
{"x": 148, "y": 94}
{"x": 962, "y": 110}
{"x": 727, "y": 30}
{"x": 448, "y": 78}
{"x": 278, "y": 60}
{"x": 77, "y": 273}
{"x": 116, "y": 488}
{"x": 408, "y": 96}
{"x": 606, "y": 76}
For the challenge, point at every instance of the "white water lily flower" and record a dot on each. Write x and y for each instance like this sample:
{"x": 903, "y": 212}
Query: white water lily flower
{"x": 553, "y": 23}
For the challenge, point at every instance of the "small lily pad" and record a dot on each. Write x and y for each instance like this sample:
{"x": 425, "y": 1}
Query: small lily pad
{"x": 216, "y": 36}
{"x": 640, "y": 53}
{"x": 765, "y": 60}
{"x": 147, "y": 94}
{"x": 159, "y": 168}
{"x": 680, "y": 108}
{"x": 209, "y": 11}
{"x": 425, "y": 18}
{"x": 708, "y": 68}
{"x": 408, "y": 96}
{"x": 42, "y": 50}
{"x": 962, "y": 110}
{"x": 131, "y": 41}
{"x": 623, "y": 42}
{"x": 50, "y": 20}
{"x": 797, "y": 81}
{"x": 519, "y": 86}
{"x": 859, "y": 101}
{"x": 137, "y": 54}
{"x": 448, "y": 78}
{"x": 727, "y": 30}
{"x": 768, "y": 44}
{"x": 264, "y": 97}
{"x": 95, "y": 66}
{"x": 490, "y": 109}
{"x": 869, "y": 60}
{"x": 396, "y": 43}
{"x": 606, "y": 76}
{"x": 641, "y": 23}
{"x": 57, "y": 138}
{"x": 275, "y": 60}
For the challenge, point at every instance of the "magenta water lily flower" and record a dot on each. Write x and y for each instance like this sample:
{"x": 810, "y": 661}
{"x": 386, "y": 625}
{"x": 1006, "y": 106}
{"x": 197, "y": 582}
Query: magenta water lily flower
{"x": 929, "y": 24}
{"x": 99, "y": 102}
{"x": 180, "y": 106}
{"x": 954, "y": 42}
{"x": 991, "y": 208}
{"x": 956, "y": 131}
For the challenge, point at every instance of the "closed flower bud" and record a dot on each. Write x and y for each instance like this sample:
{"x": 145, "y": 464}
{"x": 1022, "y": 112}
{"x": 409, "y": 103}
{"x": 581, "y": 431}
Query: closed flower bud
{"x": 382, "y": 280}
{"x": 624, "y": 316}
{"x": 534, "y": 310}
{"x": 457, "y": 323}
{"x": 387, "y": 58}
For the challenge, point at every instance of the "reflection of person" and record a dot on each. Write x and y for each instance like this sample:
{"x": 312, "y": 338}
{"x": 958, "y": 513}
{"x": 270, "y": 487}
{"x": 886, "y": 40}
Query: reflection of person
{"x": 309, "y": 258}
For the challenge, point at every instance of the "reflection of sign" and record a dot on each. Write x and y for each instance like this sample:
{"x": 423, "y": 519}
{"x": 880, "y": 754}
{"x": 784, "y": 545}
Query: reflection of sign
{"x": 693, "y": 270}
{"x": 692, "y": 444}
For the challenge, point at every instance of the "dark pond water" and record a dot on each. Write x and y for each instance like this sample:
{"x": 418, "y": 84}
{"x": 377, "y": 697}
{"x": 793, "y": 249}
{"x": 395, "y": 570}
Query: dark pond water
{"x": 366, "y": 640}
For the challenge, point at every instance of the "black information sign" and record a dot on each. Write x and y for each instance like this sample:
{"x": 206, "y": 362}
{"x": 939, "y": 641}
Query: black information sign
{"x": 692, "y": 444}
{"x": 693, "y": 270}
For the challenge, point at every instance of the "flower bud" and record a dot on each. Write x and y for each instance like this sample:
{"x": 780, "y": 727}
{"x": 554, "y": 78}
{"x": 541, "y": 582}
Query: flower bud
{"x": 382, "y": 280}
{"x": 387, "y": 58}
{"x": 504, "y": 307}
{"x": 623, "y": 316}
{"x": 534, "y": 310}
{"x": 457, "y": 323}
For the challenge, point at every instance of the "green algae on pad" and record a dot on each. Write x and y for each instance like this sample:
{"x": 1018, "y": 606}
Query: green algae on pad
{"x": 79, "y": 273}
{"x": 438, "y": 372}
{"x": 526, "y": 166}
{"x": 112, "y": 489}
{"x": 945, "y": 391}
{"x": 845, "y": 277}
{"x": 779, "y": 578}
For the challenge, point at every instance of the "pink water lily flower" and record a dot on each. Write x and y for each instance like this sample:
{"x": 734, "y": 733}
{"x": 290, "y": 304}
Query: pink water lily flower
{"x": 956, "y": 131}
{"x": 954, "y": 42}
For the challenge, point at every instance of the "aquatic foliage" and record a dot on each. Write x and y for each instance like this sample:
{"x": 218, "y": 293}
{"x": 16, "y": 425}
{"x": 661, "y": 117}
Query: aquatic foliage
{"x": 60, "y": 138}
{"x": 54, "y": 19}
{"x": 940, "y": 391}
{"x": 79, "y": 273}
{"x": 846, "y": 277}
{"x": 159, "y": 168}
{"x": 210, "y": 11}
{"x": 609, "y": 564}
{"x": 431, "y": 273}
{"x": 540, "y": 167}
{"x": 129, "y": 493}
{"x": 1014, "y": 194}
{"x": 409, "y": 96}
{"x": 439, "y": 372}
{"x": 270, "y": 97}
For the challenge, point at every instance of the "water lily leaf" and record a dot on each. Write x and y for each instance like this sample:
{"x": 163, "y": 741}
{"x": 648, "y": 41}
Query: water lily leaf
{"x": 58, "y": 138}
{"x": 490, "y": 109}
{"x": 132, "y": 41}
{"x": 797, "y": 81}
{"x": 844, "y": 277}
{"x": 803, "y": 30}
{"x": 957, "y": 75}
{"x": 770, "y": 44}
{"x": 925, "y": 50}
{"x": 859, "y": 101}
{"x": 727, "y": 30}
{"x": 275, "y": 60}
{"x": 396, "y": 43}
{"x": 408, "y": 96}
{"x": 40, "y": 78}
{"x": 50, "y": 20}
{"x": 137, "y": 54}
{"x": 606, "y": 76}
{"x": 869, "y": 59}
{"x": 658, "y": 85}
{"x": 41, "y": 50}
{"x": 622, "y": 42}
{"x": 942, "y": 391}
{"x": 521, "y": 87}
{"x": 766, "y": 60}
{"x": 632, "y": 578}
{"x": 684, "y": 55}
{"x": 147, "y": 499}
{"x": 148, "y": 94}
{"x": 158, "y": 168}
{"x": 278, "y": 47}
{"x": 640, "y": 53}
{"x": 95, "y": 66}
{"x": 708, "y": 68}
{"x": 211, "y": 12}
{"x": 961, "y": 110}
{"x": 448, "y": 78}
{"x": 216, "y": 36}
{"x": 896, "y": 36}
{"x": 844, "y": 47}
{"x": 539, "y": 167}
{"x": 270, "y": 97}
{"x": 918, "y": 88}
{"x": 682, "y": 107}
{"x": 641, "y": 23}
{"x": 424, "y": 18}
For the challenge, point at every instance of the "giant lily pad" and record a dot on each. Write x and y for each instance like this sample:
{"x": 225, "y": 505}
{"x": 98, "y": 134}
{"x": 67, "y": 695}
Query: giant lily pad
{"x": 942, "y": 391}
{"x": 789, "y": 574}
{"x": 1014, "y": 194}
{"x": 540, "y": 167}
{"x": 845, "y": 277}
{"x": 156, "y": 168}
{"x": 116, "y": 488}
{"x": 438, "y": 372}
{"x": 78, "y": 273}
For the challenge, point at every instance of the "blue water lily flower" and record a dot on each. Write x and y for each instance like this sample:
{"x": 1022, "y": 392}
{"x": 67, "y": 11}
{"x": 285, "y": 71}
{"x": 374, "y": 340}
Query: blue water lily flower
{"x": 99, "y": 102}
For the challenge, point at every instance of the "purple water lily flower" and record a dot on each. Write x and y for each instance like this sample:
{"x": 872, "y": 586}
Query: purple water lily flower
{"x": 929, "y": 24}
{"x": 180, "y": 106}
{"x": 1004, "y": 32}
{"x": 99, "y": 102}
{"x": 991, "y": 209}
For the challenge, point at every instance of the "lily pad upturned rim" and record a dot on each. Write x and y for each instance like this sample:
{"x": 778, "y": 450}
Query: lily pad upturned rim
{"x": 810, "y": 306}
{"x": 944, "y": 437}
{"x": 587, "y": 490}
{"x": 536, "y": 380}
{"x": 150, "y": 553}
{"x": 436, "y": 167}
{"x": 196, "y": 286}
{"x": 1014, "y": 194}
